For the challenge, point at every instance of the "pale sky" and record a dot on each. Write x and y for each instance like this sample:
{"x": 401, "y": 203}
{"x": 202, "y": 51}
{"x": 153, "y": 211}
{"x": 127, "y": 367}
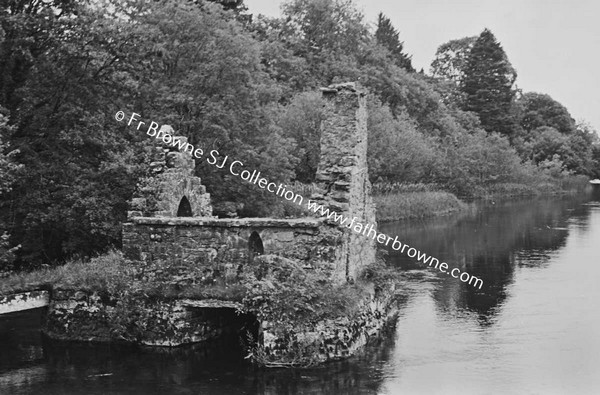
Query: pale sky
{"x": 553, "y": 44}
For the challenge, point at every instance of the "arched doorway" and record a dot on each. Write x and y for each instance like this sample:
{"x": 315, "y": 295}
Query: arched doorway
{"x": 185, "y": 208}
{"x": 255, "y": 245}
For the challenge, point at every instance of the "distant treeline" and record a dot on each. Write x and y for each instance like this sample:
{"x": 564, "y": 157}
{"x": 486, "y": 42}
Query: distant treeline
{"x": 246, "y": 85}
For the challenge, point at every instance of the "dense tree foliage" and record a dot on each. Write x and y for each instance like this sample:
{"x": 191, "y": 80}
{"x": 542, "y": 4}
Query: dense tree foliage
{"x": 247, "y": 87}
{"x": 8, "y": 167}
{"x": 450, "y": 60}
{"x": 488, "y": 84}
{"x": 541, "y": 110}
{"x": 595, "y": 171}
{"x": 397, "y": 151}
{"x": 300, "y": 121}
{"x": 61, "y": 87}
{"x": 230, "y": 4}
{"x": 8, "y": 175}
{"x": 388, "y": 37}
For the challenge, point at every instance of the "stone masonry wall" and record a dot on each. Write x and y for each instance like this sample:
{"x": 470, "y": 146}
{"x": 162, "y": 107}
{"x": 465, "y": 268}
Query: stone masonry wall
{"x": 332, "y": 339}
{"x": 92, "y": 316}
{"x": 210, "y": 249}
{"x": 173, "y": 181}
{"x": 173, "y": 237}
{"x": 222, "y": 245}
{"x": 219, "y": 248}
{"x": 342, "y": 180}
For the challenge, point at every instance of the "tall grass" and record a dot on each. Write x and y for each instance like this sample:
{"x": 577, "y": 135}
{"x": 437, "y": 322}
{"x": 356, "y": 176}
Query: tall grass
{"x": 508, "y": 190}
{"x": 382, "y": 188}
{"x": 564, "y": 185}
{"x": 397, "y": 206}
{"x": 575, "y": 183}
{"x": 108, "y": 272}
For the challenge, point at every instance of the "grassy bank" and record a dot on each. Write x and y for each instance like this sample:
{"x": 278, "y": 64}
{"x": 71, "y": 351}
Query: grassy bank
{"x": 113, "y": 274}
{"x": 567, "y": 185}
{"x": 407, "y": 201}
{"x": 107, "y": 272}
{"x": 414, "y": 201}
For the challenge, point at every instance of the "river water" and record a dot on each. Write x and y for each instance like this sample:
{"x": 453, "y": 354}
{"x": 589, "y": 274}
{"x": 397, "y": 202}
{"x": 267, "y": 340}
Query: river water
{"x": 533, "y": 328}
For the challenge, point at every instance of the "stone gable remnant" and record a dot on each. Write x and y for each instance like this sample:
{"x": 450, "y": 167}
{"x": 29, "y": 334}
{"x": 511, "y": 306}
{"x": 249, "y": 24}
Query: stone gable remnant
{"x": 174, "y": 190}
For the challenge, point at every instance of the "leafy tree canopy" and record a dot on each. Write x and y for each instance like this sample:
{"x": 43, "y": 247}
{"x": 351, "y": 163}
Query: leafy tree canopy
{"x": 246, "y": 87}
{"x": 542, "y": 110}
{"x": 389, "y": 37}
{"x": 488, "y": 84}
{"x": 450, "y": 60}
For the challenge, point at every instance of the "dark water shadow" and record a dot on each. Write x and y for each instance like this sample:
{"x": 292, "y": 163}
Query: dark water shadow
{"x": 32, "y": 364}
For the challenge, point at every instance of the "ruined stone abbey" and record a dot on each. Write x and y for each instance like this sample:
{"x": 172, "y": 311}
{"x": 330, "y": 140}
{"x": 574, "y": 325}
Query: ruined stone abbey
{"x": 172, "y": 237}
{"x": 178, "y": 225}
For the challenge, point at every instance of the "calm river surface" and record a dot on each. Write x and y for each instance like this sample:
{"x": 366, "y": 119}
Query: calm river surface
{"x": 534, "y": 327}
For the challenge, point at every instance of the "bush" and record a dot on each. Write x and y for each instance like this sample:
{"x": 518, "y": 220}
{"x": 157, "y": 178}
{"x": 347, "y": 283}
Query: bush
{"x": 279, "y": 289}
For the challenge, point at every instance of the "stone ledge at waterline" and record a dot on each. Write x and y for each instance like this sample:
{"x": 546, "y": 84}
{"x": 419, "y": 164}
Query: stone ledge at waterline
{"x": 98, "y": 317}
{"x": 329, "y": 339}
{"x": 94, "y": 316}
{"x": 23, "y": 301}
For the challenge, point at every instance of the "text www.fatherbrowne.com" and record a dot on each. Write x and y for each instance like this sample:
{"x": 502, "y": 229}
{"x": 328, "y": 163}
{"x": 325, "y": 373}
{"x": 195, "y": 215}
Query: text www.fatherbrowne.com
{"x": 369, "y": 231}
{"x": 236, "y": 168}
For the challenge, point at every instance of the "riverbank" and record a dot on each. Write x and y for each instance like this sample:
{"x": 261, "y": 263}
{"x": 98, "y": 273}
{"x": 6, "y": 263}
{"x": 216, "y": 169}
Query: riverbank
{"x": 397, "y": 202}
{"x": 565, "y": 186}
{"x": 411, "y": 205}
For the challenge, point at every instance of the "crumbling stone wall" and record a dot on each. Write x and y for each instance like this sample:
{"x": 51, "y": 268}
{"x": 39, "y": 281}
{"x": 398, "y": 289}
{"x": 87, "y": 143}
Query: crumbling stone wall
{"x": 173, "y": 237}
{"x": 220, "y": 248}
{"x": 332, "y": 339}
{"x": 221, "y": 245}
{"x": 92, "y": 316}
{"x": 173, "y": 181}
{"x": 342, "y": 180}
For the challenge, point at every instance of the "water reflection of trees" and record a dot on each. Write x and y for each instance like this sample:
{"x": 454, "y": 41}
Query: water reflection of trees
{"x": 489, "y": 244}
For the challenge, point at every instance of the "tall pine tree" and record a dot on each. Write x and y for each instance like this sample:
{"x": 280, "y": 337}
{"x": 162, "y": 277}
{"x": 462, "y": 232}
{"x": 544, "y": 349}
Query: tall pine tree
{"x": 389, "y": 37}
{"x": 488, "y": 85}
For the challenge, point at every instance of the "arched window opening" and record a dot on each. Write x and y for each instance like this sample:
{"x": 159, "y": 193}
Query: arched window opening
{"x": 255, "y": 245}
{"x": 185, "y": 208}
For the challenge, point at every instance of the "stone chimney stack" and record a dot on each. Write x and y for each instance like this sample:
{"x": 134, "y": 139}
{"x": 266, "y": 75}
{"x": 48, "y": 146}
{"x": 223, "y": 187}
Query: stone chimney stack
{"x": 342, "y": 180}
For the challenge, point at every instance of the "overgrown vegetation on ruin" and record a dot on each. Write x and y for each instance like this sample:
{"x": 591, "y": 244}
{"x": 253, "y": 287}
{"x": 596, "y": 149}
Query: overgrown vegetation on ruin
{"x": 282, "y": 290}
{"x": 293, "y": 301}
{"x": 108, "y": 273}
{"x": 279, "y": 292}
{"x": 273, "y": 288}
